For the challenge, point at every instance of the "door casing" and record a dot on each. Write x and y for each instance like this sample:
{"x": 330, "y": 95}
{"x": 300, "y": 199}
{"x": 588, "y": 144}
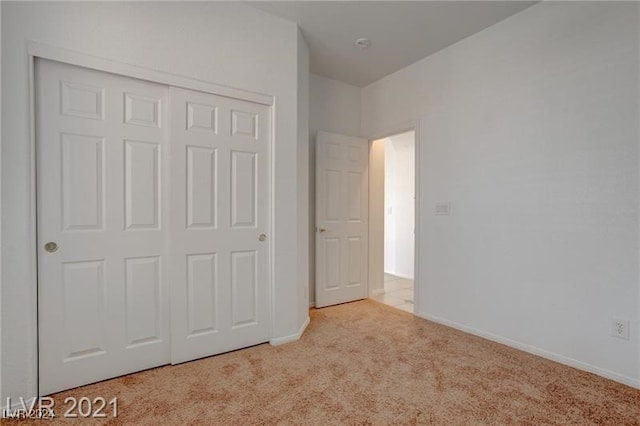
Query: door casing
{"x": 388, "y": 132}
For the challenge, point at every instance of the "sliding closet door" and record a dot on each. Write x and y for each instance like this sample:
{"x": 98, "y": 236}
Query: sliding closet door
{"x": 153, "y": 227}
{"x": 220, "y": 222}
{"x": 102, "y": 276}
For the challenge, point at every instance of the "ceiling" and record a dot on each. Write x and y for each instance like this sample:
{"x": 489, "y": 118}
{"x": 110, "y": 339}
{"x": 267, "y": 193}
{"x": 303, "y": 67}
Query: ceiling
{"x": 401, "y": 32}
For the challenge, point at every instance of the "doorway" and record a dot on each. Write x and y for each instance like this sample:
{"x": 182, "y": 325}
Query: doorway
{"x": 398, "y": 220}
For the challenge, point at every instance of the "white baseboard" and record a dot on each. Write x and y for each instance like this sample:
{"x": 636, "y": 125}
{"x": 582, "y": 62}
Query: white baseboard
{"x": 291, "y": 338}
{"x": 629, "y": 381}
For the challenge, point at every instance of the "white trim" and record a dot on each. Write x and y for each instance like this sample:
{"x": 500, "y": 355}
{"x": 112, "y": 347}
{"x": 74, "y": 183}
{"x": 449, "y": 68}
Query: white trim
{"x": 34, "y": 372}
{"x": 629, "y": 381}
{"x": 376, "y": 292}
{"x": 638, "y": 236}
{"x": 398, "y": 128}
{"x": 417, "y": 235}
{"x": 46, "y": 51}
{"x": 271, "y": 234}
{"x": 291, "y": 338}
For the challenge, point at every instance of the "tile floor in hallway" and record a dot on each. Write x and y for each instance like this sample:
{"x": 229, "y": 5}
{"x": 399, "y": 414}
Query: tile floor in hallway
{"x": 398, "y": 292}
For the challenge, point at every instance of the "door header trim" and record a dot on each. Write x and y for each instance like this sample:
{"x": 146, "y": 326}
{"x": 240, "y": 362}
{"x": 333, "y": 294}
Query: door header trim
{"x": 71, "y": 57}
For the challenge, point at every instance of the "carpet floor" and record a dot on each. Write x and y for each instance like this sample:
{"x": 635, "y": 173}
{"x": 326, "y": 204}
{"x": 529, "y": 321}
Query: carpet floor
{"x": 367, "y": 363}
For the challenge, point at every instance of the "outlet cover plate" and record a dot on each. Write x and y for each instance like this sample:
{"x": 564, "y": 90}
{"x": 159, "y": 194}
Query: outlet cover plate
{"x": 620, "y": 328}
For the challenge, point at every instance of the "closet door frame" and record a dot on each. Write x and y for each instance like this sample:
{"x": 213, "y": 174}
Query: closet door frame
{"x": 37, "y": 50}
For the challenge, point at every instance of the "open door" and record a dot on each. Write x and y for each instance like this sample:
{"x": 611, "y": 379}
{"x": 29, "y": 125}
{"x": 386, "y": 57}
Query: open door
{"x": 342, "y": 198}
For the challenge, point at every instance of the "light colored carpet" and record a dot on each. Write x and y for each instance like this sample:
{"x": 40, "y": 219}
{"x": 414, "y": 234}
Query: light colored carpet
{"x": 367, "y": 363}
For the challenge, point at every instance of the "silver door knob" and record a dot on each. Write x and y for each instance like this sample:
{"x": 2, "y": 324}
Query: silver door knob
{"x": 51, "y": 247}
{"x": 262, "y": 237}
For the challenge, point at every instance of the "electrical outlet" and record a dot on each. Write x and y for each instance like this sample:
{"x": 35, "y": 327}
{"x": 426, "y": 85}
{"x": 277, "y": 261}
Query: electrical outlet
{"x": 620, "y": 328}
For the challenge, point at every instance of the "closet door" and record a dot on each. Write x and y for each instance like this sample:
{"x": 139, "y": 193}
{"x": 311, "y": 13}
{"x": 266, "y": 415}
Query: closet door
{"x": 102, "y": 228}
{"x": 220, "y": 224}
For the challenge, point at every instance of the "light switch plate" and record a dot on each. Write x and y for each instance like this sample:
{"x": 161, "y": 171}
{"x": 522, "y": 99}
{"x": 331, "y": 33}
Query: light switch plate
{"x": 443, "y": 209}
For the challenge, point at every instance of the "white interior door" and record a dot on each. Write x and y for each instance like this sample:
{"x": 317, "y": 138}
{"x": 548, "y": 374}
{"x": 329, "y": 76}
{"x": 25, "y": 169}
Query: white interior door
{"x": 342, "y": 195}
{"x": 103, "y": 299}
{"x": 220, "y": 222}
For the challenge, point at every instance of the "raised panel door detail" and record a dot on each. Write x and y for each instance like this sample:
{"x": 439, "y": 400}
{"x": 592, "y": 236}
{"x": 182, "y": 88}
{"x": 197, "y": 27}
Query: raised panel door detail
{"x": 82, "y": 100}
{"x": 142, "y": 186}
{"x": 101, "y": 201}
{"x": 354, "y": 248}
{"x": 244, "y": 276}
{"x": 244, "y": 172}
{"x": 202, "y": 293}
{"x": 201, "y": 187}
{"x": 354, "y": 196}
{"x": 334, "y": 151}
{"x": 332, "y": 264}
{"x": 141, "y": 110}
{"x": 203, "y": 117}
{"x": 142, "y": 300}
{"x": 83, "y": 301}
{"x": 220, "y": 208}
{"x": 354, "y": 154}
{"x": 244, "y": 124}
{"x": 82, "y": 182}
{"x": 333, "y": 201}
{"x": 341, "y": 218}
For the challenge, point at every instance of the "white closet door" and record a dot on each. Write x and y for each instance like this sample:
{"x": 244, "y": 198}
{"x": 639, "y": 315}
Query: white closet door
{"x": 103, "y": 299}
{"x": 220, "y": 222}
{"x": 342, "y": 203}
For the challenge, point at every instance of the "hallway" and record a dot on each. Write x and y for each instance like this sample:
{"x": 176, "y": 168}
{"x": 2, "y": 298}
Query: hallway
{"x": 398, "y": 293}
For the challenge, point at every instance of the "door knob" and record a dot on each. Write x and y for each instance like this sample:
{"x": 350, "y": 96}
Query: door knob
{"x": 51, "y": 247}
{"x": 321, "y": 230}
{"x": 262, "y": 237}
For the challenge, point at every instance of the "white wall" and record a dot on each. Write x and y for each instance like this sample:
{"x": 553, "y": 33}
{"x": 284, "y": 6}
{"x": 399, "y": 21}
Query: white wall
{"x": 399, "y": 202}
{"x": 377, "y": 157}
{"x": 530, "y": 129}
{"x": 1, "y": 200}
{"x": 303, "y": 178}
{"x": 637, "y": 329}
{"x": 333, "y": 107}
{"x": 389, "y": 199}
{"x": 223, "y": 43}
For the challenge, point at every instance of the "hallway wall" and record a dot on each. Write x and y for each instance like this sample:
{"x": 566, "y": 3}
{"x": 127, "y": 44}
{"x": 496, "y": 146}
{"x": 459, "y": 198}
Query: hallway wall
{"x": 399, "y": 205}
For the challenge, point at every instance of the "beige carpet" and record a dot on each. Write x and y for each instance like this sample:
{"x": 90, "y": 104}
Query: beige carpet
{"x": 367, "y": 363}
